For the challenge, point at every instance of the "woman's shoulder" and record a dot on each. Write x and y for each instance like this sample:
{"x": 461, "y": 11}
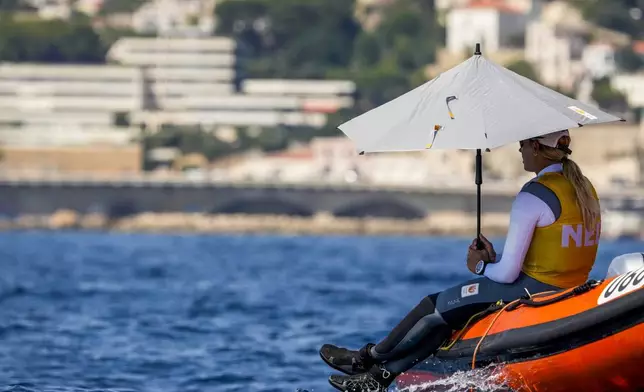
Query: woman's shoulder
{"x": 536, "y": 191}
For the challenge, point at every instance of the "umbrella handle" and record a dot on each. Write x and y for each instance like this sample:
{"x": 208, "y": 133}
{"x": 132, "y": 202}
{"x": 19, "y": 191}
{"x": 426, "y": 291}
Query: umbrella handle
{"x": 479, "y": 243}
{"x": 479, "y": 181}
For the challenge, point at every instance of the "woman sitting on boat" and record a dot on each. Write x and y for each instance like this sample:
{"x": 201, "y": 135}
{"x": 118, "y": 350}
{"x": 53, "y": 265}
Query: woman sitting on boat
{"x": 551, "y": 245}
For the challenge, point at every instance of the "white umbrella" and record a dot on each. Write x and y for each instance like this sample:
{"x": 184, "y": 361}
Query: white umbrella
{"x": 475, "y": 105}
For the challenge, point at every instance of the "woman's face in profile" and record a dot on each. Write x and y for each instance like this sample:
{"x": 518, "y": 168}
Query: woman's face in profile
{"x": 527, "y": 148}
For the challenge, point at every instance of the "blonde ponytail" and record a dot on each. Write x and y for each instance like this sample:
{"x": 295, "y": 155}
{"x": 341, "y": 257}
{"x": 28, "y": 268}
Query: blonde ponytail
{"x": 584, "y": 191}
{"x": 586, "y": 200}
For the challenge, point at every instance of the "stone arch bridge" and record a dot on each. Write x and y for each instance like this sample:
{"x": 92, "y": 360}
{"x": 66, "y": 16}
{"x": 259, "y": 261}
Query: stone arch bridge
{"x": 128, "y": 197}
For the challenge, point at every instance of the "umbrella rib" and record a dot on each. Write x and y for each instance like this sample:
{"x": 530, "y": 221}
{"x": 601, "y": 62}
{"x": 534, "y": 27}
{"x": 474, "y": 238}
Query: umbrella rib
{"x": 416, "y": 109}
{"x": 556, "y": 110}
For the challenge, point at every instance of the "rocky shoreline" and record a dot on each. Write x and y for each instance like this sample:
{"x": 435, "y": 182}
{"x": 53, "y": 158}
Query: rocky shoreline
{"x": 444, "y": 223}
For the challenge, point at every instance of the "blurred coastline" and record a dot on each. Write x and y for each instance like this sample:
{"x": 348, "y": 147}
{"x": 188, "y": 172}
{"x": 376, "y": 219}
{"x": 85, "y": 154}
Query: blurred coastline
{"x": 447, "y": 223}
{"x": 222, "y": 115}
{"x": 454, "y": 223}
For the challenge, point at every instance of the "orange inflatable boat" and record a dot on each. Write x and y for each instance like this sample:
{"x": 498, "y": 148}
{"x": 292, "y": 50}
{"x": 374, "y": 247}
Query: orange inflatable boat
{"x": 590, "y": 338}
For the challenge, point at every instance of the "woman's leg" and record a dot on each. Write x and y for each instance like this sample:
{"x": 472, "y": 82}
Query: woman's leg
{"x": 427, "y": 326}
{"x": 400, "y": 341}
{"x": 375, "y": 367}
{"x": 458, "y": 304}
{"x": 409, "y": 332}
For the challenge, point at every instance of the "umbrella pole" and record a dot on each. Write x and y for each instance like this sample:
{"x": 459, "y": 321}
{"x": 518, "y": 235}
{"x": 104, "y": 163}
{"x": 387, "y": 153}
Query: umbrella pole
{"x": 479, "y": 181}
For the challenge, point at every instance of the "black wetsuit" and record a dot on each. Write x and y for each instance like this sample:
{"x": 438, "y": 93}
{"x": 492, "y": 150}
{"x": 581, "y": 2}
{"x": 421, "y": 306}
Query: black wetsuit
{"x": 432, "y": 320}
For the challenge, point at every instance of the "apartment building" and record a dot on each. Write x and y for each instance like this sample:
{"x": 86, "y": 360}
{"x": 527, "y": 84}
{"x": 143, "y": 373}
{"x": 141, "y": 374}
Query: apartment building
{"x": 52, "y": 9}
{"x": 194, "y": 81}
{"x": 632, "y": 86}
{"x": 522, "y": 6}
{"x": 565, "y": 49}
{"x": 151, "y": 82}
{"x": 493, "y": 23}
{"x": 67, "y": 104}
{"x": 556, "y": 52}
{"x": 599, "y": 60}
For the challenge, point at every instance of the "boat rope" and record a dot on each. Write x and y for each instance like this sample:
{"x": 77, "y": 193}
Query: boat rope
{"x": 570, "y": 293}
{"x": 460, "y": 334}
{"x": 478, "y": 345}
{"x": 489, "y": 327}
{"x": 528, "y": 301}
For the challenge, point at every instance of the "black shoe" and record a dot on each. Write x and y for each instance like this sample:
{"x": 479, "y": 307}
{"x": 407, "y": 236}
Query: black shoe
{"x": 377, "y": 379}
{"x": 347, "y": 361}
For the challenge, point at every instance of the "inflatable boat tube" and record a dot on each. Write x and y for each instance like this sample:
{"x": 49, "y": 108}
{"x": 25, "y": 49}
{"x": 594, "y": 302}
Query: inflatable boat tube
{"x": 589, "y": 338}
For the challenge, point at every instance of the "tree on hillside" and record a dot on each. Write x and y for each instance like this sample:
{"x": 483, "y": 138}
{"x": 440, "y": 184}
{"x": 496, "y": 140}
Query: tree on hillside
{"x": 50, "y": 41}
{"x": 390, "y": 60}
{"x": 406, "y": 35}
{"x": 290, "y": 38}
{"x": 117, "y": 6}
{"x": 322, "y": 39}
{"x": 619, "y": 15}
{"x": 524, "y": 68}
{"x": 629, "y": 61}
{"x": 14, "y": 5}
{"x": 607, "y": 97}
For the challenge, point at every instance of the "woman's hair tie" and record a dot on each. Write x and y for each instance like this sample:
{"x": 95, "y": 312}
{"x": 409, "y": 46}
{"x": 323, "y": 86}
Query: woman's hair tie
{"x": 563, "y": 144}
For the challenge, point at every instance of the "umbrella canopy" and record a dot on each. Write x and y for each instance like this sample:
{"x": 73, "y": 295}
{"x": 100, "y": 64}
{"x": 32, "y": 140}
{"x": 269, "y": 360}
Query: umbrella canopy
{"x": 475, "y": 105}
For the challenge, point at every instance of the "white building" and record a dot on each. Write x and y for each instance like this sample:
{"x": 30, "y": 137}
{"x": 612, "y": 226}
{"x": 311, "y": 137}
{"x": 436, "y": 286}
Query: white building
{"x": 599, "y": 60}
{"x": 632, "y": 85}
{"x": 446, "y": 5}
{"x": 52, "y": 9}
{"x": 155, "y": 82}
{"x": 175, "y": 17}
{"x": 45, "y": 104}
{"x": 337, "y": 160}
{"x": 523, "y": 6}
{"x": 565, "y": 49}
{"x": 89, "y": 7}
{"x": 494, "y": 24}
{"x": 556, "y": 53}
{"x": 192, "y": 81}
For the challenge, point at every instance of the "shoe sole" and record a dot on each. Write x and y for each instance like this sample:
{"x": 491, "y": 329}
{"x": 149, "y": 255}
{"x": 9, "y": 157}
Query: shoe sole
{"x": 334, "y": 385}
{"x": 344, "y": 371}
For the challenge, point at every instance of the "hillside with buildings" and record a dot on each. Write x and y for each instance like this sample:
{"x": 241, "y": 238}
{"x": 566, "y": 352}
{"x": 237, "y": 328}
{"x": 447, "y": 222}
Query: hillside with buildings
{"x": 254, "y": 90}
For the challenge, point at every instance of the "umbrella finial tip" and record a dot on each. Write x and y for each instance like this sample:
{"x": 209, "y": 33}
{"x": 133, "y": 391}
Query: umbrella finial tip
{"x": 477, "y": 51}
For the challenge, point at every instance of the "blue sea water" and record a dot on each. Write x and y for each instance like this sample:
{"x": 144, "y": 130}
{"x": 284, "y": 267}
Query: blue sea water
{"x": 97, "y": 311}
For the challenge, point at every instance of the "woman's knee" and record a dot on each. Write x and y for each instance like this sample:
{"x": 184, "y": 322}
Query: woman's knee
{"x": 433, "y": 298}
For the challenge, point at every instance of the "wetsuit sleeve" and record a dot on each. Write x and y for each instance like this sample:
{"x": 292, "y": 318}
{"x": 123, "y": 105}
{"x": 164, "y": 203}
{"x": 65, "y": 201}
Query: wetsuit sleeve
{"x": 528, "y": 211}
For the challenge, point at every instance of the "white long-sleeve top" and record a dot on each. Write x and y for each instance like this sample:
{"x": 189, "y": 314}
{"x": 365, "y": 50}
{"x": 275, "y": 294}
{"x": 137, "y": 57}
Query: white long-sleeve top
{"x": 528, "y": 211}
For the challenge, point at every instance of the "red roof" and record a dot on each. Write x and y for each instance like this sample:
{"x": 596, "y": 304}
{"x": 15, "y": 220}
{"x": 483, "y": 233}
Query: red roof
{"x": 498, "y": 5}
{"x": 638, "y": 47}
{"x": 305, "y": 154}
